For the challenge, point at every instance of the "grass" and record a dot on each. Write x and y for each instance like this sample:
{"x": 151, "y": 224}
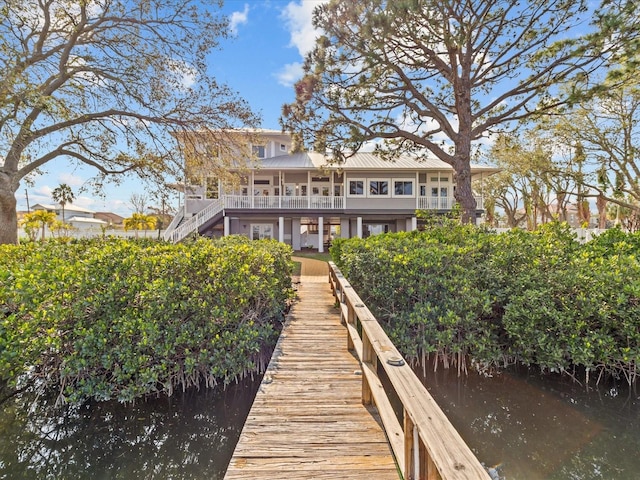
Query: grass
{"x": 324, "y": 257}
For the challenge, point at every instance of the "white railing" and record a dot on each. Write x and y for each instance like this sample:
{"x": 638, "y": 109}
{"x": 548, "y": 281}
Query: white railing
{"x": 174, "y": 223}
{"x": 443, "y": 203}
{"x": 200, "y": 218}
{"x": 273, "y": 202}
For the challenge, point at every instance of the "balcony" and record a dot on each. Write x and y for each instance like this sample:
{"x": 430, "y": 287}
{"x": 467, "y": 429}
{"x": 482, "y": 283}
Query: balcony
{"x": 277, "y": 202}
{"x": 326, "y": 203}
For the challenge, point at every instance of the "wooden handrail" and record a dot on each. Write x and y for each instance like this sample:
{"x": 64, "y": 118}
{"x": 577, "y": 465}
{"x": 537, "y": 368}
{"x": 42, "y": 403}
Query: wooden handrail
{"x": 426, "y": 445}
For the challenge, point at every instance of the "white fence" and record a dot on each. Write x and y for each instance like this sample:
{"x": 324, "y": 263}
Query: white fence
{"x": 583, "y": 235}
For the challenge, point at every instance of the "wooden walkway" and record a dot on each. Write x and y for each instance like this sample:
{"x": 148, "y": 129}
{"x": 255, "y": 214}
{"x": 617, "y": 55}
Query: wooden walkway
{"x": 308, "y": 421}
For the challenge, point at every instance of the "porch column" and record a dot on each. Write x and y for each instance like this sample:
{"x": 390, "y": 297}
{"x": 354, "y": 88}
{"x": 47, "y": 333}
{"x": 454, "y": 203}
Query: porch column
{"x": 359, "y": 227}
{"x": 414, "y": 223}
{"x": 320, "y": 234}
{"x": 281, "y": 229}
{"x": 227, "y": 225}
{"x": 295, "y": 234}
{"x": 344, "y": 228}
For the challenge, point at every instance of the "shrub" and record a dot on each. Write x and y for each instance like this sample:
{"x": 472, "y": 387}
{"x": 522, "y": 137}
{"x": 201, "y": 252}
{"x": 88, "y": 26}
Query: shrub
{"x": 122, "y": 319}
{"x": 535, "y": 297}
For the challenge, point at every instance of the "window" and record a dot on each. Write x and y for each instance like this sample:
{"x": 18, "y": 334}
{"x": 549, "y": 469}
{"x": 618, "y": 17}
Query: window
{"x": 212, "y": 188}
{"x": 283, "y": 147}
{"x": 403, "y": 188}
{"x": 356, "y": 187}
{"x": 260, "y": 231}
{"x": 444, "y": 192}
{"x": 434, "y": 191}
{"x": 423, "y": 190}
{"x": 379, "y": 188}
{"x": 258, "y": 151}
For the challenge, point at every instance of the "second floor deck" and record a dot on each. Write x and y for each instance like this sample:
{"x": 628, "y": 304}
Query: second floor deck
{"x": 277, "y": 202}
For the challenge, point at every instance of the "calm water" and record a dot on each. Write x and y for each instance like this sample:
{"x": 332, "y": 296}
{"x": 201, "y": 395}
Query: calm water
{"x": 530, "y": 427}
{"x": 520, "y": 424}
{"x": 188, "y": 436}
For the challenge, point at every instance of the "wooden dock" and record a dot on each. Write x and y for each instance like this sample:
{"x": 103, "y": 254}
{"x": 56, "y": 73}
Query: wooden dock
{"x": 308, "y": 419}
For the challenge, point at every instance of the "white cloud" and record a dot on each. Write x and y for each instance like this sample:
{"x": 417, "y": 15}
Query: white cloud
{"x": 297, "y": 17}
{"x": 289, "y": 74}
{"x": 238, "y": 18}
{"x": 71, "y": 179}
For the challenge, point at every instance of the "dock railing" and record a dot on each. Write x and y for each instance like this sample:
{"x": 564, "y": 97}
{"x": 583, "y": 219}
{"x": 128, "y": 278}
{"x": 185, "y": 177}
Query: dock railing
{"x": 425, "y": 445}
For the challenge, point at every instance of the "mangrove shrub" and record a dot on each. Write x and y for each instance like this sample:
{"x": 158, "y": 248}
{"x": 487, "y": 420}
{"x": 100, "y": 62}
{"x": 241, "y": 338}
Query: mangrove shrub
{"x": 120, "y": 319}
{"x": 460, "y": 293}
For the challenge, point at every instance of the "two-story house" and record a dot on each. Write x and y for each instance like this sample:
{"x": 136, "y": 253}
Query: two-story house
{"x": 304, "y": 200}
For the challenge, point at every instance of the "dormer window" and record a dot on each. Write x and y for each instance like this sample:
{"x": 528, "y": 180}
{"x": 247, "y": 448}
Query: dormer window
{"x": 258, "y": 151}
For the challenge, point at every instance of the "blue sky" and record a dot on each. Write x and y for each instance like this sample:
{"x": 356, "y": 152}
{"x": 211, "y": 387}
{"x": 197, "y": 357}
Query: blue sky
{"x": 261, "y": 62}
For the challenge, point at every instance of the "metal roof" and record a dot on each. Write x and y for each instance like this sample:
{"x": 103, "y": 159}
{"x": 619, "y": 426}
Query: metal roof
{"x": 67, "y": 208}
{"x": 360, "y": 161}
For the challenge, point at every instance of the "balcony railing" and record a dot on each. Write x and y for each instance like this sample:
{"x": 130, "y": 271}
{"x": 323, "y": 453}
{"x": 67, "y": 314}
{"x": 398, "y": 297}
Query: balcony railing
{"x": 273, "y": 202}
{"x": 442, "y": 203}
{"x": 325, "y": 203}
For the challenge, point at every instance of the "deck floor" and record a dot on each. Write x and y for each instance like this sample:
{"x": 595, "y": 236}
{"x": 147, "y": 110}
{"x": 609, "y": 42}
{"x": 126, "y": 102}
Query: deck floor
{"x": 307, "y": 420}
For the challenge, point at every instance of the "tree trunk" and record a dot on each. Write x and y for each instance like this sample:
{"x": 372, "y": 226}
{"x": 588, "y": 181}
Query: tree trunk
{"x": 601, "y": 204}
{"x": 464, "y": 193}
{"x": 8, "y": 215}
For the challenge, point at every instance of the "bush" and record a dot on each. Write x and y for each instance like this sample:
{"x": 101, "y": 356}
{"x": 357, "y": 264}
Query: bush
{"x": 122, "y": 319}
{"x": 533, "y": 297}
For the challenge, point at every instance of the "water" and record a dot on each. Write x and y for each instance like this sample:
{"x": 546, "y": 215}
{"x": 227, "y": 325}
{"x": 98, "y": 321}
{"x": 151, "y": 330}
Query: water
{"x": 190, "y": 435}
{"x": 526, "y": 426}
{"x": 520, "y": 424}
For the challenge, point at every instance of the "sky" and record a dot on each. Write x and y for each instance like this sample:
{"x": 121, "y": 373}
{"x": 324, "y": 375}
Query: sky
{"x": 261, "y": 61}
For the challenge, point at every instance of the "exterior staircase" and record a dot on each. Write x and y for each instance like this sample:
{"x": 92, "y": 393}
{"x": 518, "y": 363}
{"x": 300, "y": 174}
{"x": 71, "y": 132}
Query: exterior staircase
{"x": 183, "y": 228}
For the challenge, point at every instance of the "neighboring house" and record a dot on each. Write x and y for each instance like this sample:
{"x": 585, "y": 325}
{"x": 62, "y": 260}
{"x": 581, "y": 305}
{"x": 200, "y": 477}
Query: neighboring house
{"x": 112, "y": 219}
{"x": 78, "y": 217}
{"x": 303, "y": 200}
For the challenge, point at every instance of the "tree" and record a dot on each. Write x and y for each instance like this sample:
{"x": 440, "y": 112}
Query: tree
{"x": 139, "y": 202}
{"x": 106, "y": 83}
{"x": 42, "y": 218}
{"x": 604, "y": 133}
{"x": 439, "y": 75}
{"x": 140, "y": 221}
{"x": 63, "y": 195}
{"x": 533, "y": 185}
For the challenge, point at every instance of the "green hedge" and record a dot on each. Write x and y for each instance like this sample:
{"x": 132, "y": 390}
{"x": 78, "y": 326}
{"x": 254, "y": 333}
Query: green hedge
{"x": 121, "y": 319}
{"x": 542, "y": 298}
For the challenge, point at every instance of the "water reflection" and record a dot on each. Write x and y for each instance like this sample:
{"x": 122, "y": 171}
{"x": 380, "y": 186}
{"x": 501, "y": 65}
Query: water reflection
{"x": 526, "y": 426}
{"x": 188, "y": 436}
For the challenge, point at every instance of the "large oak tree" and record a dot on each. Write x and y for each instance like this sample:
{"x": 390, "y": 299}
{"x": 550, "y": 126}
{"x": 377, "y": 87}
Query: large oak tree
{"x": 437, "y": 76}
{"x": 106, "y": 83}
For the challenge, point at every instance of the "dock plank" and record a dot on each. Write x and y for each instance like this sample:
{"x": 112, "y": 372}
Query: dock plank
{"x": 307, "y": 420}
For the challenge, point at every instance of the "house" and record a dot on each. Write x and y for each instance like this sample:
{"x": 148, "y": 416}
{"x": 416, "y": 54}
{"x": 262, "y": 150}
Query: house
{"x": 112, "y": 219}
{"x": 78, "y": 217}
{"x": 301, "y": 198}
